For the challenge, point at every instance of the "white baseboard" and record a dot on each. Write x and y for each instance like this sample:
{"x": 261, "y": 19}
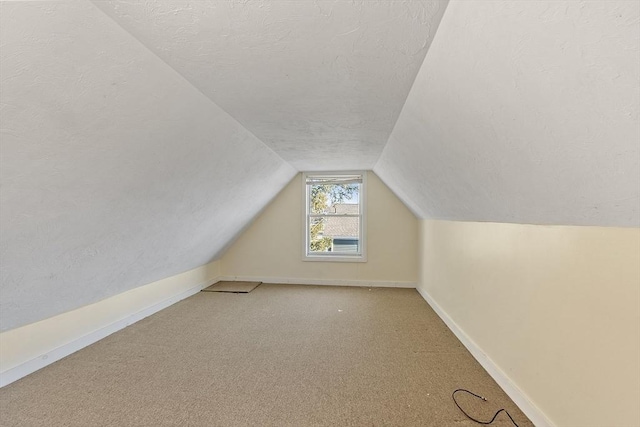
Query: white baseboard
{"x": 324, "y": 282}
{"x": 537, "y": 417}
{"x": 23, "y": 369}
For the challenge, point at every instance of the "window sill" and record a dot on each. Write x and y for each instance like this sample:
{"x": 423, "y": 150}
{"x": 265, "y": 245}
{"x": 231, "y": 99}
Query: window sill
{"x": 334, "y": 258}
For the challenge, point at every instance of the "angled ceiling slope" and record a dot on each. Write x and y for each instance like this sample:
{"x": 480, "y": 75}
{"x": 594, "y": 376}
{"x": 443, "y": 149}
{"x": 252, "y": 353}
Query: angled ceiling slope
{"x": 320, "y": 82}
{"x": 115, "y": 171}
{"x": 526, "y": 112}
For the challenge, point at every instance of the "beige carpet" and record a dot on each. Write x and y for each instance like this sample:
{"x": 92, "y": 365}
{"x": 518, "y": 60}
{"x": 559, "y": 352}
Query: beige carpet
{"x": 282, "y": 355}
{"x": 236, "y": 287}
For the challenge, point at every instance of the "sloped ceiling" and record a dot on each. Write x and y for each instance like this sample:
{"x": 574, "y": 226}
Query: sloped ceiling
{"x": 115, "y": 171}
{"x": 320, "y": 81}
{"x": 139, "y": 138}
{"x": 527, "y": 112}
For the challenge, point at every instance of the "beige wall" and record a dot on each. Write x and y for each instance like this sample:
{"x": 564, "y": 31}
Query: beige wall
{"x": 272, "y": 246}
{"x": 33, "y": 346}
{"x": 556, "y": 308}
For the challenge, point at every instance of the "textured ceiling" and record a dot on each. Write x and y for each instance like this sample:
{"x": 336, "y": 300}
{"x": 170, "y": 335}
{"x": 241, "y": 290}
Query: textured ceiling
{"x": 115, "y": 171}
{"x": 320, "y": 82}
{"x": 527, "y": 112}
{"x": 127, "y": 159}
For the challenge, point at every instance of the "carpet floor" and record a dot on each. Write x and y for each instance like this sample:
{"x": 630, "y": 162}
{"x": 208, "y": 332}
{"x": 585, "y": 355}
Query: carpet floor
{"x": 282, "y": 355}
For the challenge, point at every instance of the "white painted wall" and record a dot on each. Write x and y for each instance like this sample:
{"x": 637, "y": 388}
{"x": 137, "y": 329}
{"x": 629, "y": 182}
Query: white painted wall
{"x": 556, "y": 308}
{"x": 271, "y": 248}
{"x": 321, "y": 82}
{"x": 526, "y": 112}
{"x": 115, "y": 171}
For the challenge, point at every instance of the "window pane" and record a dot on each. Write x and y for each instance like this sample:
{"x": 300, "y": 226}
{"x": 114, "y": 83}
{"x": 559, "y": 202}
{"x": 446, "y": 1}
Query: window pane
{"x": 334, "y": 234}
{"x": 324, "y": 198}
{"x": 343, "y": 233}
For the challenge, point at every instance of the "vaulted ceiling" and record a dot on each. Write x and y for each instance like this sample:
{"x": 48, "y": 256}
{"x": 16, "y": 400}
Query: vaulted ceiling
{"x": 320, "y": 82}
{"x": 140, "y": 137}
{"x": 525, "y": 112}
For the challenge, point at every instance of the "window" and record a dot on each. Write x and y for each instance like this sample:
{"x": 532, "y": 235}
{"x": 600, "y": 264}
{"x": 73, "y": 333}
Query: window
{"x": 334, "y": 216}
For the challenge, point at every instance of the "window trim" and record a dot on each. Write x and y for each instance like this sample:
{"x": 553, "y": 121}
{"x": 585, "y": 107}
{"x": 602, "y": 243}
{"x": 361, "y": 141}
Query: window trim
{"x": 362, "y": 198}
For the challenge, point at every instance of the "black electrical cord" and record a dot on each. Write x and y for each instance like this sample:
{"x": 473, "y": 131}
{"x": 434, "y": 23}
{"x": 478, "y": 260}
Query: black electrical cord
{"x": 453, "y": 396}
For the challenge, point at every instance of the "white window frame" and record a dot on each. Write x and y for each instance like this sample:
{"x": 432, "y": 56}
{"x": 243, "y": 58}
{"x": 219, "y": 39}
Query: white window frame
{"x": 329, "y": 256}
